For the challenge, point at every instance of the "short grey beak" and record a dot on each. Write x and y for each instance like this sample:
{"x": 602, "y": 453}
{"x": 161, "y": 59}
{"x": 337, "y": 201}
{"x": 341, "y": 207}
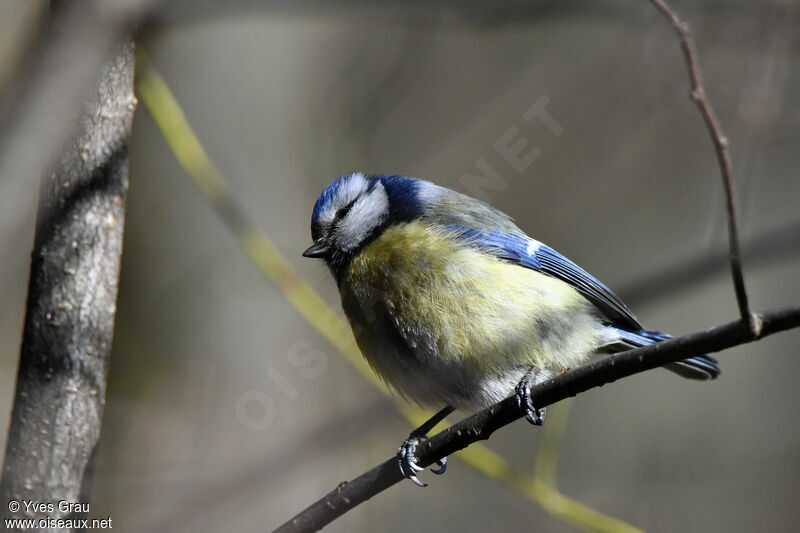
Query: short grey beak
{"x": 318, "y": 249}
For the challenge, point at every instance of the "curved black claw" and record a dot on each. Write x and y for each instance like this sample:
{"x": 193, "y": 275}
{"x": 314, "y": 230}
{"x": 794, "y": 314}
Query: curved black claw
{"x": 406, "y": 460}
{"x": 532, "y": 414}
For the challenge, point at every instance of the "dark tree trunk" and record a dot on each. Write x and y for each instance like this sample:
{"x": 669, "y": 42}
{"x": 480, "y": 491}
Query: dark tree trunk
{"x": 61, "y": 385}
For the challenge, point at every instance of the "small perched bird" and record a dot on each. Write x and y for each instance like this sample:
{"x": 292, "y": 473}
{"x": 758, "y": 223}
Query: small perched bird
{"x": 455, "y": 307}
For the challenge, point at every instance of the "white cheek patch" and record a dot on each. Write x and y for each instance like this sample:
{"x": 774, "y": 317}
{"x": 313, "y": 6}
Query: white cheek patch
{"x": 366, "y": 214}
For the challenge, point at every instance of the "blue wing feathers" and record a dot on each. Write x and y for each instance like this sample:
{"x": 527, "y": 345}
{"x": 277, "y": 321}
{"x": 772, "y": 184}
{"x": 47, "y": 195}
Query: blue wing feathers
{"x": 557, "y": 265}
{"x": 698, "y": 367}
{"x": 526, "y": 252}
{"x": 504, "y": 246}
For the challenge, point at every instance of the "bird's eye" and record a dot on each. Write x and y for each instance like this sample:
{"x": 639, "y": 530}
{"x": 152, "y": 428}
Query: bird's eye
{"x": 341, "y": 213}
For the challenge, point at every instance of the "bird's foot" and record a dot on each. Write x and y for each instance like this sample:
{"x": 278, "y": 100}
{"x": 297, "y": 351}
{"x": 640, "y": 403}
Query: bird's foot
{"x": 406, "y": 459}
{"x": 523, "y": 393}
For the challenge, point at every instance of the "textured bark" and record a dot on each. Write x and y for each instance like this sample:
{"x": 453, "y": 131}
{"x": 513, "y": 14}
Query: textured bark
{"x": 69, "y": 324}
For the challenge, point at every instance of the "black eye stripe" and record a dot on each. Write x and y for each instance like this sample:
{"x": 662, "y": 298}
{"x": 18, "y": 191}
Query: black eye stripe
{"x": 341, "y": 213}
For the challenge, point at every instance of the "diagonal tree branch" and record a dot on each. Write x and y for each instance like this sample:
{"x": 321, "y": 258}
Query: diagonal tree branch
{"x": 480, "y": 426}
{"x": 698, "y": 96}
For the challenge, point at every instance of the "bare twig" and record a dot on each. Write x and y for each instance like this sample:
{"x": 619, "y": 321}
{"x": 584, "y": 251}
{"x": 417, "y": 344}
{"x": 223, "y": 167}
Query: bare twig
{"x": 480, "y": 426}
{"x": 698, "y": 96}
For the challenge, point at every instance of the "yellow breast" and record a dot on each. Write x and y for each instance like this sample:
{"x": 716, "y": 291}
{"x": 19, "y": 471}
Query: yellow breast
{"x": 460, "y": 310}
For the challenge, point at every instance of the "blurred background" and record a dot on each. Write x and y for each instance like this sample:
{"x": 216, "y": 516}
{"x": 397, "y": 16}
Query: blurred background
{"x": 210, "y": 424}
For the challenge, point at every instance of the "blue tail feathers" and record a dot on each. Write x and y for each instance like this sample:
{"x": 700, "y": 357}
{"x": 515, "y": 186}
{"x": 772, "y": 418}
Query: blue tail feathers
{"x": 698, "y": 367}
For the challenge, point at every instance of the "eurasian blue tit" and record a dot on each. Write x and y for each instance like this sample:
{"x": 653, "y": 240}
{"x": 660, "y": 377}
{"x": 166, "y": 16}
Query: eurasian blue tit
{"x": 453, "y": 305}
